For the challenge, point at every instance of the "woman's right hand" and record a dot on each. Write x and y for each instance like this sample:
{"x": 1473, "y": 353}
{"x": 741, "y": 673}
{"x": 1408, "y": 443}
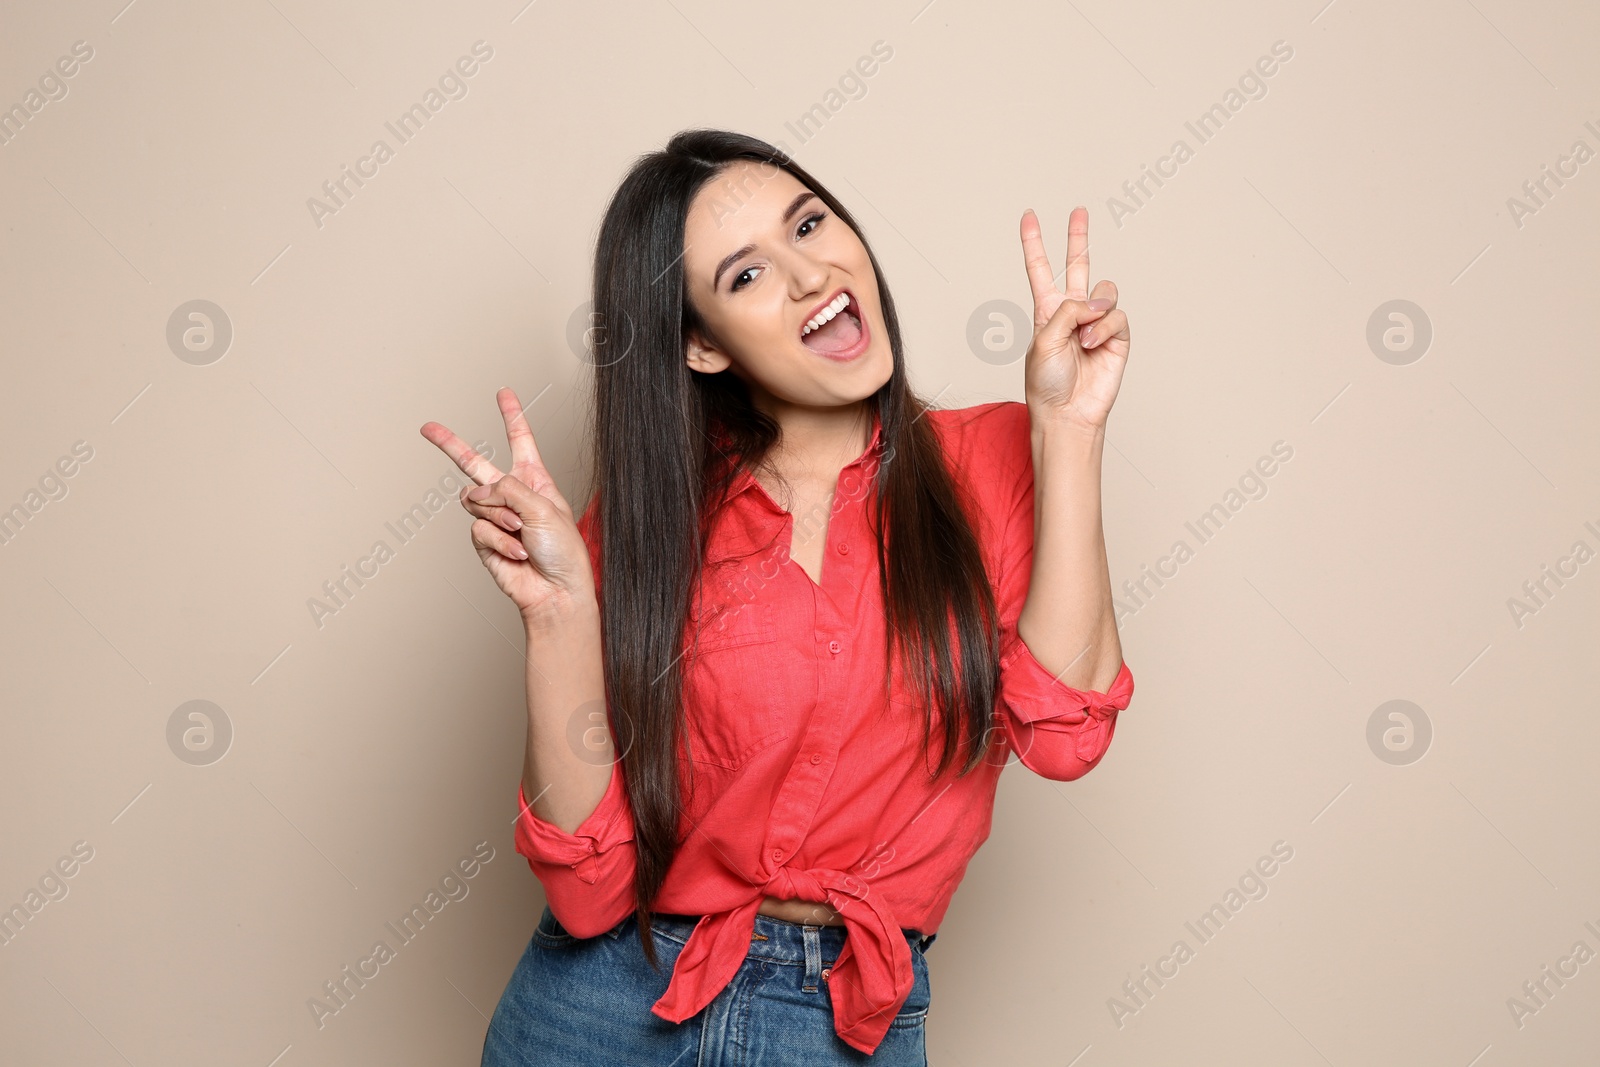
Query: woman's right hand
{"x": 525, "y": 533}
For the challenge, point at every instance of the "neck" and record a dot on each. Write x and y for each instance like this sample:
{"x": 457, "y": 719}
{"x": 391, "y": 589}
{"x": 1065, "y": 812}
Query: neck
{"x": 819, "y": 441}
{"x": 814, "y": 443}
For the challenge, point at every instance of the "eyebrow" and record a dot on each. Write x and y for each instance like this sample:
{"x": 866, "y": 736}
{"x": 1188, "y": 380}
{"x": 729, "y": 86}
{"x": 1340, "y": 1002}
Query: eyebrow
{"x": 733, "y": 257}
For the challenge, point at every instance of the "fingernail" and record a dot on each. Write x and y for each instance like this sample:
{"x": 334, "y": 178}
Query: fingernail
{"x": 521, "y": 553}
{"x": 1099, "y": 305}
{"x": 513, "y": 523}
{"x": 479, "y": 493}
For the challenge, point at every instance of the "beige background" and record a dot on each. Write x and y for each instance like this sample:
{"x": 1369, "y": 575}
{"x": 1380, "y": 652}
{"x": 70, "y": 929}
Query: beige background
{"x": 371, "y": 754}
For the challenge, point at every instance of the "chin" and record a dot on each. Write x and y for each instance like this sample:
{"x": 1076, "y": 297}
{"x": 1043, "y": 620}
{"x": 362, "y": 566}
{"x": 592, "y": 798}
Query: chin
{"x": 870, "y": 373}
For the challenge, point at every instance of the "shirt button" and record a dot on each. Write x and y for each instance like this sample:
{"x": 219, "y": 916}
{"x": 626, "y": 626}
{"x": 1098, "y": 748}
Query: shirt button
{"x": 833, "y": 646}
{"x": 844, "y": 549}
{"x": 816, "y": 757}
{"x": 777, "y": 855}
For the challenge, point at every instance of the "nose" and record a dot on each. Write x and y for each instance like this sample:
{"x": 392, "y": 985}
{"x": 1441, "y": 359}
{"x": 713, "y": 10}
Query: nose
{"x": 807, "y": 275}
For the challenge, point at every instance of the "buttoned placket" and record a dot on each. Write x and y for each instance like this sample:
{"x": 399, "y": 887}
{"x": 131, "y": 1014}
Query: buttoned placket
{"x": 803, "y": 788}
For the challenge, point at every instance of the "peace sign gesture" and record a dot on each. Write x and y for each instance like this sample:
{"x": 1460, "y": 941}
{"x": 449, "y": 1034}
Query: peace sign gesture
{"x": 546, "y": 565}
{"x": 1080, "y": 346}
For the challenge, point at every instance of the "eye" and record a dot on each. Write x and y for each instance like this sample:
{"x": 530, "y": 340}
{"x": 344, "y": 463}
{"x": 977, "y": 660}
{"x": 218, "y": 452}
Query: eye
{"x": 739, "y": 280}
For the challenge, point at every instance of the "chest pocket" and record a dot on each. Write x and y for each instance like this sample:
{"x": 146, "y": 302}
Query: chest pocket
{"x": 739, "y": 697}
{"x": 730, "y": 625}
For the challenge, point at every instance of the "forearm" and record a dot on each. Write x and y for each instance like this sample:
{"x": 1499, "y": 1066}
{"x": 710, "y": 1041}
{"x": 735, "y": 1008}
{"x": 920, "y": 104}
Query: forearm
{"x": 567, "y": 764}
{"x": 1069, "y": 621}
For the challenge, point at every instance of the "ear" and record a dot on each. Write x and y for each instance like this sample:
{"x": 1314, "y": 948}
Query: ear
{"x": 704, "y": 358}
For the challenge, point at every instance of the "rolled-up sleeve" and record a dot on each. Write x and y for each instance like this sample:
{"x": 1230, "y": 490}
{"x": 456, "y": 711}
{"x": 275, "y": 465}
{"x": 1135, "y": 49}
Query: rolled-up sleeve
{"x": 587, "y": 874}
{"x": 1057, "y": 731}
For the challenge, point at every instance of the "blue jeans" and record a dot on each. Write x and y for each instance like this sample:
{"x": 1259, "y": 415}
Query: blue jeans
{"x": 582, "y": 1002}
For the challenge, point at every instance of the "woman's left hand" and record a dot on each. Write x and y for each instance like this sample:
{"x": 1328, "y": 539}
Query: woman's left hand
{"x": 1080, "y": 340}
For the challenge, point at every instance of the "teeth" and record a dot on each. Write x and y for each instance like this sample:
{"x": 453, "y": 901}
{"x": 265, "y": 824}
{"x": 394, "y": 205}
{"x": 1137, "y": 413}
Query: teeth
{"x": 827, "y": 313}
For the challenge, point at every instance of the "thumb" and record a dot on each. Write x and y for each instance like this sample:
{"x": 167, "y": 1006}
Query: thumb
{"x": 512, "y": 493}
{"x": 1072, "y": 314}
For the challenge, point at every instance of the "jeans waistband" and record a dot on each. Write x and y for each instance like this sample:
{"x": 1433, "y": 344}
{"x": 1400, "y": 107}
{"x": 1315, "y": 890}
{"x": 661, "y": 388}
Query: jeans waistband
{"x": 777, "y": 938}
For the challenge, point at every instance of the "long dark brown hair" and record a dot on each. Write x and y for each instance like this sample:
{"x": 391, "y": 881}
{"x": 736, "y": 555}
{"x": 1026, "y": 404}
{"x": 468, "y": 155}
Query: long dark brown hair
{"x": 659, "y": 478}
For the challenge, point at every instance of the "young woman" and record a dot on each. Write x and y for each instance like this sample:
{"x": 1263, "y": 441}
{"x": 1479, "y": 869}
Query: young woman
{"x": 829, "y": 615}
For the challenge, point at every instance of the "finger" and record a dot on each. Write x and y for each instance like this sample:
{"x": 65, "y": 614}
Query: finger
{"x": 472, "y": 464}
{"x": 1041, "y": 279}
{"x": 486, "y": 534}
{"x": 1068, "y": 318}
{"x": 526, "y": 463}
{"x": 523, "y": 448}
{"x": 500, "y": 516}
{"x": 1114, "y": 324}
{"x": 508, "y": 492}
{"x": 1077, "y": 283}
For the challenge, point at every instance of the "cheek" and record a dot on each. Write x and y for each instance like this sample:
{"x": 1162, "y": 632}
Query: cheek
{"x": 753, "y": 343}
{"x": 774, "y": 368}
{"x": 758, "y": 331}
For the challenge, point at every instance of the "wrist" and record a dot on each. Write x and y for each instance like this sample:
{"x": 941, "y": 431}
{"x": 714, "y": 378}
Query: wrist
{"x": 562, "y": 613}
{"x": 1066, "y": 442}
{"x": 1063, "y": 426}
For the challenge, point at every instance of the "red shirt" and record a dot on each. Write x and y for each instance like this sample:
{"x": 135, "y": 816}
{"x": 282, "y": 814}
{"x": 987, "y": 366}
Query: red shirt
{"x": 809, "y": 784}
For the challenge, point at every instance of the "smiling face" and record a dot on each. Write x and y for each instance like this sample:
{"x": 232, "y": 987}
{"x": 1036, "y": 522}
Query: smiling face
{"x": 764, "y": 260}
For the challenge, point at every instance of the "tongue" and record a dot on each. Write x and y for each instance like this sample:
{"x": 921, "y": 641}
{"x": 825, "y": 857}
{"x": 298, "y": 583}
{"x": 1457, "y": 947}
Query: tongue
{"x": 838, "y": 334}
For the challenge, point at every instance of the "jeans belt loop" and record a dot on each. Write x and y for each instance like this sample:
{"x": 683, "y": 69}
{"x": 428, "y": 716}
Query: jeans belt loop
{"x": 812, "y": 937}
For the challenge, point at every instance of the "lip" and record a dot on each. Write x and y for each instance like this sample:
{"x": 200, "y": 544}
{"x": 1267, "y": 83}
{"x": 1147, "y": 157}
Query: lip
{"x": 830, "y": 298}
{"x": 866, "y": 334}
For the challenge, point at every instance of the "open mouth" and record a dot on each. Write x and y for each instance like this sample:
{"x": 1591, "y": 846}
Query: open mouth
{"x": 835, "y": 329}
